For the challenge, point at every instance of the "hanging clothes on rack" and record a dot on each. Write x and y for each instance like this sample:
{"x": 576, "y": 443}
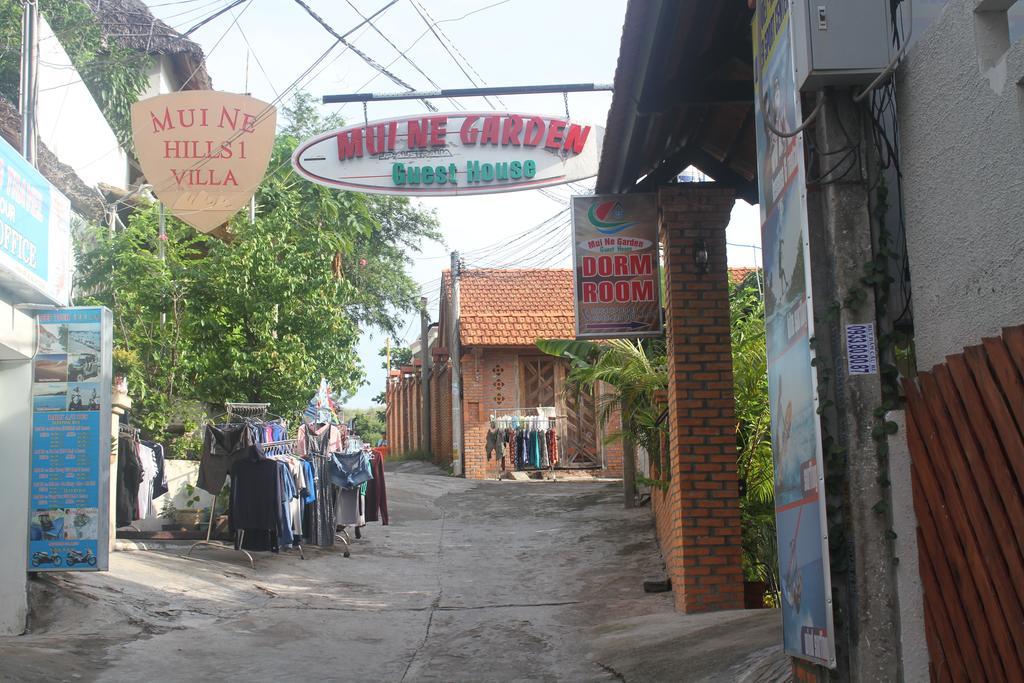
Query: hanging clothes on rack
{"x": 129, "y": 477}
{"x": 160, "y": 480}
{"x": 255, "y": 509}
{"x": 377, "y": 492}
{"x": 293, "y": 488}
{"x": 350, "y": 473}
{"x": 149, "y": 471}
{"x": 314, "y": 442}
{"x": 223, "y": 444}
{"x": 530, "y": 441}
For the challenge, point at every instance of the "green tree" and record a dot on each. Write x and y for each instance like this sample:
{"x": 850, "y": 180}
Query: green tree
{"x": 753, "y": 432}
{"x": 634, "y": 372}
{"x": 264, "y": 317}
{"x": 368, "y": 423}
{"x": 400, "y": 355}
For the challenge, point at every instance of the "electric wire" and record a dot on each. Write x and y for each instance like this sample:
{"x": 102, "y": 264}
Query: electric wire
{"x": 413, "y": 44}
{"x": 437, "y": 31}
{"x": 365, "y": 57}
{"x": 173, "y": 2}
{"x": 404, "y": 55}
{"x": 206, "y": 54}
{"x": 255, "y": 56}
{"x": 210, "y": 18}
{"x": 537, "y": 249}
{"x": 899, "y": 54}
{"x": 270, "y": 107}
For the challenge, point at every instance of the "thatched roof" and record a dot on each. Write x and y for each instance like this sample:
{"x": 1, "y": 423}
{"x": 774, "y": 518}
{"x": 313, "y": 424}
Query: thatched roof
{"x": 132, "y": 25}
{"x": 84, "y": 200}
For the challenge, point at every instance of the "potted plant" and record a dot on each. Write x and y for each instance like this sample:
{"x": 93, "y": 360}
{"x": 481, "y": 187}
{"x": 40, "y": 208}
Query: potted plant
{"x": 220, "y": 504}
{"x": 169, "y": 512}
{"x": 191, "y": 516}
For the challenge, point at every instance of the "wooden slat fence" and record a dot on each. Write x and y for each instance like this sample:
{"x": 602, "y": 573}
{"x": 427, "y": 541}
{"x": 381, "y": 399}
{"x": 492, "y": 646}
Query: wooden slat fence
{"x": 965, "y": 428}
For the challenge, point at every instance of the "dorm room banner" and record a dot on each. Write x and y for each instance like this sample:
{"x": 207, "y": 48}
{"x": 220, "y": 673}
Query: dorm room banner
{"x": 792, "y": 381}
{"x": 70, "y": 478}
{"x": 616, "y": 274}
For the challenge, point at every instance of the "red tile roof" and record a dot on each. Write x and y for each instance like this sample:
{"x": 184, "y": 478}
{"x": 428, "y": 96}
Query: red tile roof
{"x": 737, "y": 275}
{"x": 515, "y": 307}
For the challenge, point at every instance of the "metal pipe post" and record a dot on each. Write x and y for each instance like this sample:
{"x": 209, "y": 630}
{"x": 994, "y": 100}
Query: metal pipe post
{"x": 425, "y": 372}
{"x": 29, "y": 86}
{"x": 456, "y": 356}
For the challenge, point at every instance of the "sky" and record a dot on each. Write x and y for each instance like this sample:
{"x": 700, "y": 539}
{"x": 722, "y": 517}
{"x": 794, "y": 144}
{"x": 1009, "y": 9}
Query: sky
{"x": 263, "y": 47}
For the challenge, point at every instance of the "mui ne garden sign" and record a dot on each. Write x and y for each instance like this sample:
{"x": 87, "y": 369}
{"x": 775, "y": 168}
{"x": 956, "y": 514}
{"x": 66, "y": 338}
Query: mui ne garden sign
{"x": 450, "y": 154}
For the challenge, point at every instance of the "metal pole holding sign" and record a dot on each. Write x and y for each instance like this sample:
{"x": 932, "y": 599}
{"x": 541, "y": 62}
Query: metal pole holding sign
{"x": 29, "y": 90}
{"x": 446, "y": 93}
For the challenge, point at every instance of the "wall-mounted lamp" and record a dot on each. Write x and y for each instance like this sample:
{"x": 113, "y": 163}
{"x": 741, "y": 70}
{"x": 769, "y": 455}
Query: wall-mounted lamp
{"x": 700, "y": 256}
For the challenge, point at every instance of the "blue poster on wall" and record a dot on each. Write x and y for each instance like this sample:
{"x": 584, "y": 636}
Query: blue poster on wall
{"x": 807, "y": 618}
{"x": 71, "y": 425}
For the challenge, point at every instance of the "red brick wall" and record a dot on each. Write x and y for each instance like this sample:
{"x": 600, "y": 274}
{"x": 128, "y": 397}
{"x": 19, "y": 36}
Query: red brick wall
{"x": 441, "y": 413}
{"x": 403, "y": 414}
{"x": 698, "y": 519}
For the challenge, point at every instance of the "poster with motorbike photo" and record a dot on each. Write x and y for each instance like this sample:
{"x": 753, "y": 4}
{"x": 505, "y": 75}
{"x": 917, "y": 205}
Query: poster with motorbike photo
{"x": 69, "y": 518}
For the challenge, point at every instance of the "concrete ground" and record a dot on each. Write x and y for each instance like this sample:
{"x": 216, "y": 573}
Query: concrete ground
{"x": 472, "y": 581}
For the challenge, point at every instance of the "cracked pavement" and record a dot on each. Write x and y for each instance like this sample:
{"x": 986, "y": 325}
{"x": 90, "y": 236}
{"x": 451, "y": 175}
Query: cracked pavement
{"x": 472, "y": 581}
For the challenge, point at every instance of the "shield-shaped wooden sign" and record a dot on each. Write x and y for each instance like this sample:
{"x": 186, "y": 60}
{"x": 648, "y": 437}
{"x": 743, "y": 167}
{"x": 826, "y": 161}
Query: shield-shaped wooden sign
{"x": 204, "y": 152}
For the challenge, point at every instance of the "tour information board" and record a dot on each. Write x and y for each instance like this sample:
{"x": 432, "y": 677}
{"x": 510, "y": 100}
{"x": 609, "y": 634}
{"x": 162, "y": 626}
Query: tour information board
{"x": 71, "y": 436}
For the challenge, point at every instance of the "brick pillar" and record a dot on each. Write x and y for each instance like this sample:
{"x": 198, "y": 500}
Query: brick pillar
{"x": 703, "y": 545}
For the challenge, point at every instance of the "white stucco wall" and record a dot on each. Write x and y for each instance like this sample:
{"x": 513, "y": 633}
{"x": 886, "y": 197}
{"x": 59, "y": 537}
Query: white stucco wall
{"x": 961, "y": 110}
{"x": 70, "y": 122}
{"x": 179, "y": 473}
{"x": 16, "y": 330}
{"x": 161, "y": 78}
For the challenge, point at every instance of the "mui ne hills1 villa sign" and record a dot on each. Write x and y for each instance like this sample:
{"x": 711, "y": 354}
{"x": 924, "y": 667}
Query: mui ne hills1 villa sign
{"x": 203, "y": 152}
{"x": 459, "y": 153}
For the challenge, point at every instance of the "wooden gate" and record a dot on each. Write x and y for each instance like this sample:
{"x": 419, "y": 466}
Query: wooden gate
{"x": 582, "y": 448}
{"x": 965, "y": 428}
{"x": 541, "y": 381}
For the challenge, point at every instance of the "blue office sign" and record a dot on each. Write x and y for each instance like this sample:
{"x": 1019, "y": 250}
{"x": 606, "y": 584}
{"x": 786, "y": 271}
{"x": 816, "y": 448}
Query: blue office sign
{"x": 71, "y": 434}
{"x": 35, "y": 233}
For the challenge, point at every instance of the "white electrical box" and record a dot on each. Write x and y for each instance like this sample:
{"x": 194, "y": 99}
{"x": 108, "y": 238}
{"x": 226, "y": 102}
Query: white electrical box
{"x": 840, "y": 42}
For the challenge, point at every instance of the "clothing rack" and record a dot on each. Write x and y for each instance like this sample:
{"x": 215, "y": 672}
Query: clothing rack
{"x": 283, "y": 447}
{"x": 543, "y": 419}
{"x": 343, "y": 535}
{"x": 129, "y": 433}
{"x": 247, "y": 410}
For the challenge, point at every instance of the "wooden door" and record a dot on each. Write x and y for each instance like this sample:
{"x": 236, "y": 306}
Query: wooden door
{"x": 537, "y": 378}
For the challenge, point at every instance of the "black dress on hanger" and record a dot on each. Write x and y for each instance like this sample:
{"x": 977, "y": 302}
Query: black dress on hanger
{"x": 318, "y": 519}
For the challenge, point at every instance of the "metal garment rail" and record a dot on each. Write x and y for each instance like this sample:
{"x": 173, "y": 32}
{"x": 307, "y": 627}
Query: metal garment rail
{"x": 284, "y": 447}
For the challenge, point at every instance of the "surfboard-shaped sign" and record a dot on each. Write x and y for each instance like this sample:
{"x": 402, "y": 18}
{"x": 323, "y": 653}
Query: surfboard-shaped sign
{"x": 461, "y": 153}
